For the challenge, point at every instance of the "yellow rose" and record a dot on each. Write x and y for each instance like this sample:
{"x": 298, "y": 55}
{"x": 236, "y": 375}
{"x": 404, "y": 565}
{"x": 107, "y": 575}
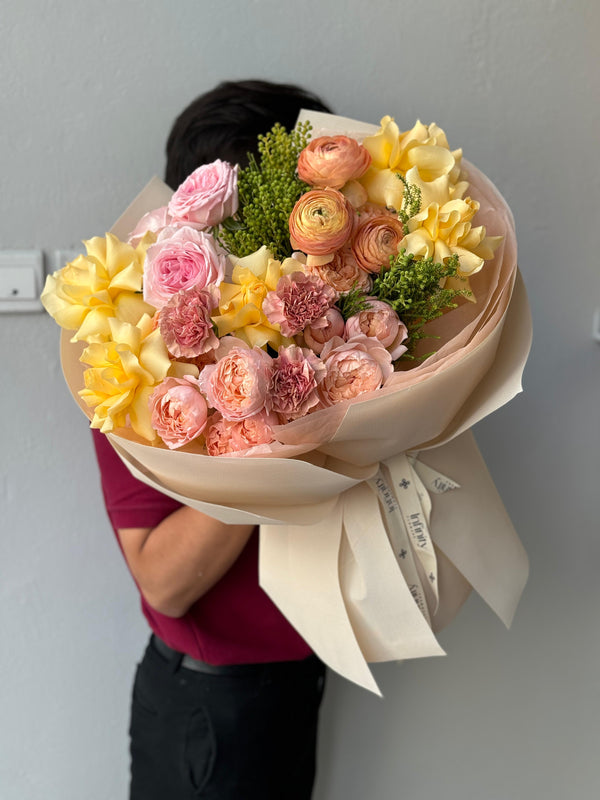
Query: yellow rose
{"x": 443, "y": 230}
{"x": 105, "y": 283}
{"x": 123, "y": 373}
{"x": 424, "y": 148}
{"x": 240, "y": 308}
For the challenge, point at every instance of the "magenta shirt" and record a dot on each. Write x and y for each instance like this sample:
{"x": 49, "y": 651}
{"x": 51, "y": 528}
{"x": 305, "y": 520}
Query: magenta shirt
{"x": 235, "y": 622}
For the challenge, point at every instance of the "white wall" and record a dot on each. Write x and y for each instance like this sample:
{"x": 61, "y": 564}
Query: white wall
{"x": 88, "y": 95}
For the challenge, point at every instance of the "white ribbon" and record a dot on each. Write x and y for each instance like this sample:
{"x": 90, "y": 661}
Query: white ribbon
{"x": 406, "y": 506}
{"x": 386, "y": 591}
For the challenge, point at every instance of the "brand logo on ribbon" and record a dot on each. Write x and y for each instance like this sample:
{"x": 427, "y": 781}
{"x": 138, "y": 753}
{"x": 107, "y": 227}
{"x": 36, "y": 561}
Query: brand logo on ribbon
{"x": 402, "y": 485}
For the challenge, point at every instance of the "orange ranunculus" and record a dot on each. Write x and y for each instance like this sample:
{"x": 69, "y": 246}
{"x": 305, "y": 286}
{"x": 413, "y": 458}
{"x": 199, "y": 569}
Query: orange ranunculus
{"x": 332, "y": 161}
{"x": 376, "y": 239}
{"x": 321, "y": 222}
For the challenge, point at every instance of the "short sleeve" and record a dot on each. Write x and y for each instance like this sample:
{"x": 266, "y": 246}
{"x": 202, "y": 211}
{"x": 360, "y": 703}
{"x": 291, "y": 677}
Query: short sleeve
{"x": 129, "y": 502}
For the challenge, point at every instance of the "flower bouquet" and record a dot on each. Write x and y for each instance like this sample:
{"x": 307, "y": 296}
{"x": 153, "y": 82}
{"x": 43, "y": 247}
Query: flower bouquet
{"x": 304, "y": 343}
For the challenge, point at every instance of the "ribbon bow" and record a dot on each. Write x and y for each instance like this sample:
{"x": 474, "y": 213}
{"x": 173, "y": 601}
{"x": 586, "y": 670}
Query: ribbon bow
{"x": 395, "y": 559}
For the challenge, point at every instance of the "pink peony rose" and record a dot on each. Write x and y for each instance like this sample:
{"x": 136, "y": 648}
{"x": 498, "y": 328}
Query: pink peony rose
{"x": 321, "y": 222}
{"x": 178, "y": 411}
{"x": 353, "y": 368}
{"x": 226, "y": 437}
{"x": 375, "y": 239}
{"x": 342, "y": 273}
{"x": 237, "y": 384}
{"x": 298, "y": 301}
{"x": 181, "y": 259}
{"x": 324, "y": 329}
{"x": 207, "y": 197}
{"x": 381, "y": 322}
{"x": 152, "y": 222}
{"x": 331, "y": 161}
{"x": 296, "y": 374}
{"x": 185, "y": 323}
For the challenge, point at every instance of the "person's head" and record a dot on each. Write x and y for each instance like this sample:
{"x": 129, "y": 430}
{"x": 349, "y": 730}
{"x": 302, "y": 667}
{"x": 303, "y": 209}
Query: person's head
{"x": 225, "y": 123}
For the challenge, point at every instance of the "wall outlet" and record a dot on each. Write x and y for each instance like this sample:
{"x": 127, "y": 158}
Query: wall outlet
{"x": 21, "y": 280}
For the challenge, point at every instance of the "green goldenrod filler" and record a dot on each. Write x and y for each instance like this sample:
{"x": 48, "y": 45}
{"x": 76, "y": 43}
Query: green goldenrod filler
{"x": 268, "y": 191}
{"x": 411, "y": 202}
{"x": 352, "y": 302}
{"x": 412, "y": 287}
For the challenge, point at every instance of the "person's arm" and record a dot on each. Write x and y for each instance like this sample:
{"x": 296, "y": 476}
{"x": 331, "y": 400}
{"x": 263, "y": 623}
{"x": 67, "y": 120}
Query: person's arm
{"x": 180, "y": 559}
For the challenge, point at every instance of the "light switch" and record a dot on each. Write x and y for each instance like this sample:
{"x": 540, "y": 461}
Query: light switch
{"x": 21, "y": 277}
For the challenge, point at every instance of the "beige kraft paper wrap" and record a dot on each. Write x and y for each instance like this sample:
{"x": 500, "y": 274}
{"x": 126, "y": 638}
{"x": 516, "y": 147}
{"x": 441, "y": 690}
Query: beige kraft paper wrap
{"x": 325, "y": 556}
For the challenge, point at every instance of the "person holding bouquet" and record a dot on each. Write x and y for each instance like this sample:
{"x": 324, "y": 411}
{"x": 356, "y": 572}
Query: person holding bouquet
{"x": 285, "y": 307}
{"x": 226, "y": 698}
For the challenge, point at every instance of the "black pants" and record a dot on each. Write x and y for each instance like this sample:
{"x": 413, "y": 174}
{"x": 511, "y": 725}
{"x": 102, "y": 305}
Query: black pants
{"x": 247, "y": 732}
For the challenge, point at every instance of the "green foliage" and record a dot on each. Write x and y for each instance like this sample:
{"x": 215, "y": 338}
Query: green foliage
{"x": 411, "y": 202}
{"x": 268, "y": 190}
{"x": 411, "y": 286}
{"x": 352, "y": 302}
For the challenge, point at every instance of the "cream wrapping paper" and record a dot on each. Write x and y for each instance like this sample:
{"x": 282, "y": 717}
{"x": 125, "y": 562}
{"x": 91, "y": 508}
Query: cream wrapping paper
{"x": 325, "y": 554}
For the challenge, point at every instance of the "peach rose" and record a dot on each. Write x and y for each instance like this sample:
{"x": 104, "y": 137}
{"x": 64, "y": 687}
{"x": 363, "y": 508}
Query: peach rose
{"x": 331, "y": 161}
{"x": 207, "y": 196}
{"x": 178, "y": 411}
{"x": 342, "y": 273}
{"x": 226, "y": 437}
{"x": 379, "y": 322}
{"x": 324, "y": 329}
{"x": 181, "y": 259}
{"x": 237, "y": 384}
{"x": 375, "y": 240}
{"x": 353, "y": 368}
{"x": 321, "y": 222}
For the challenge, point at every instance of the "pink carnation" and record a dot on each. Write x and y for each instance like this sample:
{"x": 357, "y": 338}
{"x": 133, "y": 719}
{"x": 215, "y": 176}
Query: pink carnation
{"x": 353, "y": 368}
{"x": 293, "y": 387}
{"x": 207, "y": 197}
{"x": 297, "y": 301}
{"x": 324, "y": 329}
{"x": 237, "y": 384}
{"x": 226, "y": 437}
{"x": 185, "y": 324}
{"x": 181, "y": 259}
{"x": 178, "y": 411}
{"x": 381, "y": 322}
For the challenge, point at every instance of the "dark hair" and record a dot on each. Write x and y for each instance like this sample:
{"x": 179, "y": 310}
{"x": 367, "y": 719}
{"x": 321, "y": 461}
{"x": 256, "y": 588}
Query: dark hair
{"x": 225, "y": 123}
